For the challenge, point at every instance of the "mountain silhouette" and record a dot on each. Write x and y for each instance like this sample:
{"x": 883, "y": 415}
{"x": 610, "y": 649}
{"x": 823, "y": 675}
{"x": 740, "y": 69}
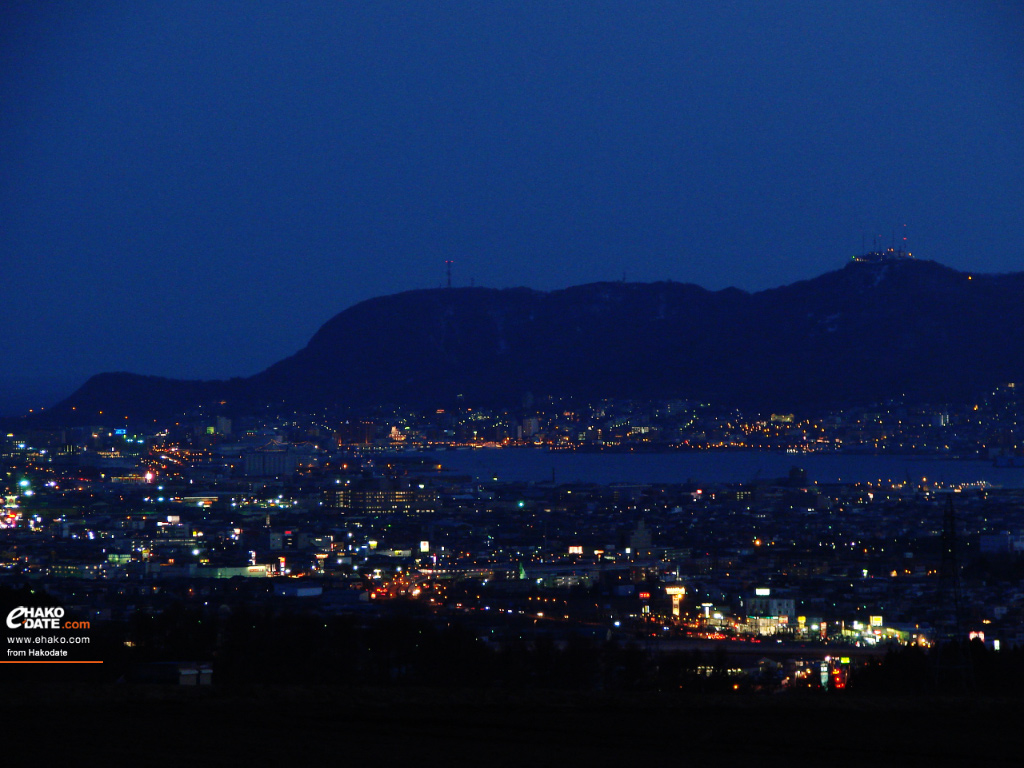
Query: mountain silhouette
{"x": 864, "y": 333}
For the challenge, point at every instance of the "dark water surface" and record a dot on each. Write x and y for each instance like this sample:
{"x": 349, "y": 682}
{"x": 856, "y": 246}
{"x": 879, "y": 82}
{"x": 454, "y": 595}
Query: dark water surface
{"x": 534, "y": 464}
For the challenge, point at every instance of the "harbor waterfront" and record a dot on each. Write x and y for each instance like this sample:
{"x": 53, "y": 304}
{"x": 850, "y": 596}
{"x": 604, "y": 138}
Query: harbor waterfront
{"x": 723, "y": 466}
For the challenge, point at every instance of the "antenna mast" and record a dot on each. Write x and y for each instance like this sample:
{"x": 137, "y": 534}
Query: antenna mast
{"x": 448, "y": 271}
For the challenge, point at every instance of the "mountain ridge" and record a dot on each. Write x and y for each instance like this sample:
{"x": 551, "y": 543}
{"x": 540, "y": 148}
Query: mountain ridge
{"x": 865, "y": 332}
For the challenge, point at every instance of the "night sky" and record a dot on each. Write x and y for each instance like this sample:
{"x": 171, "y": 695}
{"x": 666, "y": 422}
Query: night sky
{"x": 191, "y": 189}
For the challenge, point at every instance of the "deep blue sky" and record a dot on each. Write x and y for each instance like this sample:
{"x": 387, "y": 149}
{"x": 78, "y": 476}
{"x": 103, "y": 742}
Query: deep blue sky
{"x": 192, "y": 188}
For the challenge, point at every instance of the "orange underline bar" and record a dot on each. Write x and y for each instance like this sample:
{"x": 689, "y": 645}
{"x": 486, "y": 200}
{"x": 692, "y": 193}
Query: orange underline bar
{"x": 51, "y": 662}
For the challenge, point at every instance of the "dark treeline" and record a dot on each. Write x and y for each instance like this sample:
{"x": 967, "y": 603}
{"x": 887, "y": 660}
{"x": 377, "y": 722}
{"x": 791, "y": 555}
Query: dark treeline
{"x": 953, "y": 668}
{"x": 409, "y": 647}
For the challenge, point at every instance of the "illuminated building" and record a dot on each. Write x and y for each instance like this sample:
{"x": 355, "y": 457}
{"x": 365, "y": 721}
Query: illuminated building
{"x": 767, "y": 614}
{"x": 375, "y": 496}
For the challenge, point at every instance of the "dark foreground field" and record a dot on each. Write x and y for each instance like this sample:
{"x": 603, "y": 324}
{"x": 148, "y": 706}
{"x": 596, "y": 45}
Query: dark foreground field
{"x": 152, "y": 725}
